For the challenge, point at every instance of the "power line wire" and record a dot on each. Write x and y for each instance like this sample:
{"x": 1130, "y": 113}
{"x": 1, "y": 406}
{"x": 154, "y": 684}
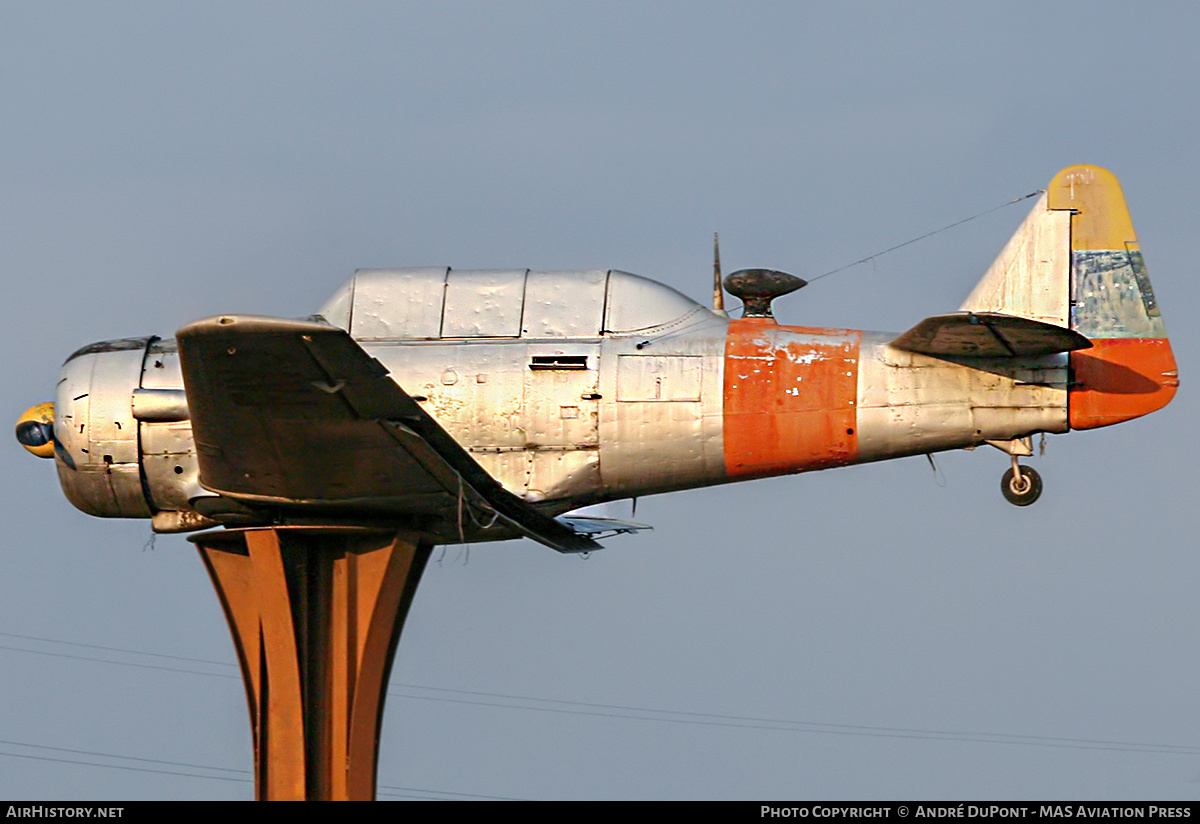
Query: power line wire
{"x": 240, "y": 775}
{"x": 126, "y": 767}
{"x": 1189, "y": 749}
{"x": 119, "y": 663}
{"x": 584, "y": 708}
{"x": 449, "y": 793}
{"x": 784, "y": 725}
{"x": 116, "y": 649}
{"x": 126, "y": 757}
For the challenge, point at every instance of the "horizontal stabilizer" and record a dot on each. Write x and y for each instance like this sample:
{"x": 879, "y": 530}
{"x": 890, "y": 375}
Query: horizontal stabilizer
{"x": 600, "y": 527}
{"x": 988, "y": 335}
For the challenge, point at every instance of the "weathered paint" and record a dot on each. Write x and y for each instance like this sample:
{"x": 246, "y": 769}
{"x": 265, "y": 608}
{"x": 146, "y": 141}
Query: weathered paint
{"x": 1030, "y": 276}
{"x": 564, "y": 304}
{"x": 544, "y": 413}
{"x": 484, "y": 303}
{"x": 911, "y": 404}
{"x": 660, "y": 418}
{"x": 1120, "y": 379}
{"x": 169, "y": 467}
{"x": 571, "y": 388}
{"x": 40, "y": 418}
{"x": 97, "y": 454}
{"x": 1130, "y": 371}
{"x": 433, "y": 303}
{"x": 790, "y": 398}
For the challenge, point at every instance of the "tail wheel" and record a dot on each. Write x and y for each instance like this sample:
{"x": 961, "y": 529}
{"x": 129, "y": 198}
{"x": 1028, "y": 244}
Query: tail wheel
{"x": 1021, "y": 490}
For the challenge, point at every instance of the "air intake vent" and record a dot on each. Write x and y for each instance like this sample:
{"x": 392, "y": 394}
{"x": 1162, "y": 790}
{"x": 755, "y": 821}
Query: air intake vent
{"x": 559, "y": 363}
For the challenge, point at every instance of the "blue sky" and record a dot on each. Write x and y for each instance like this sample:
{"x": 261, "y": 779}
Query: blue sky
{"x": 161, "y": 162}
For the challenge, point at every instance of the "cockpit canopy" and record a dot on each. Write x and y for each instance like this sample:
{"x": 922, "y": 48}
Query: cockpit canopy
{"x": 441, "y": 303}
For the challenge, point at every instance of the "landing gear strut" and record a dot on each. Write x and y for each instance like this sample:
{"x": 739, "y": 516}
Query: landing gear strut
{"x": 1021, "y": 485}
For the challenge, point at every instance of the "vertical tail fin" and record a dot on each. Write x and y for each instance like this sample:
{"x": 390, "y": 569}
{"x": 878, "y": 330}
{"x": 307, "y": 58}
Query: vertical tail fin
{"x": 1030, "y": 278}
{"x": 1075, "y": 262}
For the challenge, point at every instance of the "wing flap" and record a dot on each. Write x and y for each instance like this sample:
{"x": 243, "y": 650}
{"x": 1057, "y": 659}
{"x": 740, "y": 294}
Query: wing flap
{"x": 988, "y": 335}
{"x": 603, "y": 527}
{"x": 297, "y": 415}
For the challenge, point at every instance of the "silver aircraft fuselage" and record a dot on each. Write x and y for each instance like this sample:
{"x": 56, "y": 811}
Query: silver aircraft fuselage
{"x": 682, "y": 398}
{"x": 573, "y": 388}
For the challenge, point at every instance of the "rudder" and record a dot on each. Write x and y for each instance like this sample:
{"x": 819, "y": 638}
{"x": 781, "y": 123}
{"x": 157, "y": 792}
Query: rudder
{"x": 1131, "y": 370}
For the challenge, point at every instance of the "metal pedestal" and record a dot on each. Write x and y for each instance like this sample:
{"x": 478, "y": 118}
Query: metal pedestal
{"x": 316, "y": 614}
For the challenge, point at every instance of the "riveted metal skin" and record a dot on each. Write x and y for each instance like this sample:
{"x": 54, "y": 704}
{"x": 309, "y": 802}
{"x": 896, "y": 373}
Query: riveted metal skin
{"x": 791, "y": 398}
{"x": 97, "y": 452}
{"x": 662, "y": 423}
{"x": 572, "y": 388}
{"x": 613, "y": 389}
{"x": 911, "y": 404}
{"x": 169, "y": 464}
{"x": 1030, "y": 278}
{"x": 123, "y": 444}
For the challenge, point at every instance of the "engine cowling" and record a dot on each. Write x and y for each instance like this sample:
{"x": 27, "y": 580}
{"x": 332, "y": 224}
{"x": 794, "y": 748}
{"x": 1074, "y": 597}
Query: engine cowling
{"x": 97, "y": 450}
{"x": 120, "y": 434}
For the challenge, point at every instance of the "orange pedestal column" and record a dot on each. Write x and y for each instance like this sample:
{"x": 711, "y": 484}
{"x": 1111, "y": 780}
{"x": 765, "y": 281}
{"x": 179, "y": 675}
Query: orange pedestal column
{"x": 316, "y": 614}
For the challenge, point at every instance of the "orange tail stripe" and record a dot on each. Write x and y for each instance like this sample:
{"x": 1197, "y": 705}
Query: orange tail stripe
{"x": 1120, "y": 379}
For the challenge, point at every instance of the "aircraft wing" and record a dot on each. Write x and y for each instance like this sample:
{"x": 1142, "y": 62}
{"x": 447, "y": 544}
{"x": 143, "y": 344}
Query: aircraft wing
{"x": 296, "y": 415}
{"x": 988, "y": 335}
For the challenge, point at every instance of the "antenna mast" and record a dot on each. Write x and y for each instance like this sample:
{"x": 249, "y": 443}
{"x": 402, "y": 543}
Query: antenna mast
{"x": 718, "y": 294}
